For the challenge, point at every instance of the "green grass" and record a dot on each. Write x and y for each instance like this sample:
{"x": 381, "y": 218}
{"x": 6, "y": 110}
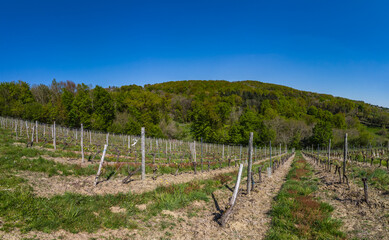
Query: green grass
{"x": 296, "y": 214}
{"x": 21, "y": 208}
{"x": 377, "y": 177}
{"x": 18, "y": 158}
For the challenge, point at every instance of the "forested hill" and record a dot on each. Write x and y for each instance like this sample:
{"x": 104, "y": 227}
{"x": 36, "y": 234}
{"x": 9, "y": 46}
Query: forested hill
{"x": 217, "y": 111}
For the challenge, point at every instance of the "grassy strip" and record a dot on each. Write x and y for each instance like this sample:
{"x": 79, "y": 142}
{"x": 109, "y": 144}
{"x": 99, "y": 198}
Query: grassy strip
{"x": 377, "y": 177}
{"x": 20, "y": 208}
{"x": 296, "y": 214}
{"x": 18, "y": 158}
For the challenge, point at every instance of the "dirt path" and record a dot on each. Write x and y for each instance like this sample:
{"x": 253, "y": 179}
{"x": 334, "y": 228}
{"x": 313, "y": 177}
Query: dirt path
{"x": 360, "y": 220}
{"x": 250, "y": 219}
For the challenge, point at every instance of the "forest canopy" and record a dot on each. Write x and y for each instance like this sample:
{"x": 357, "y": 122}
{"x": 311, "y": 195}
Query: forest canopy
{"x": 216, "y": 111}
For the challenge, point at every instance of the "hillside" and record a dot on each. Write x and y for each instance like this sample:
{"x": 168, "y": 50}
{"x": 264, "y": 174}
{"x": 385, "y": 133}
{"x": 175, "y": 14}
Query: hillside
{"x": 217, "y": 111}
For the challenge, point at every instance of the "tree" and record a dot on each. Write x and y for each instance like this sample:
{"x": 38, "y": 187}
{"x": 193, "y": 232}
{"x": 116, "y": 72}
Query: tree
{"x": 339, "y": 121}
{"x": 322, "y": 133}
{"x": 82, "y": 108}
{"x": 103, "y": 109}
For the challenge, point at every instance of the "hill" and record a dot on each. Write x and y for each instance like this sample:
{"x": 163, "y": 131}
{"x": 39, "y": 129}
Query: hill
{"x": 217, "y": 111}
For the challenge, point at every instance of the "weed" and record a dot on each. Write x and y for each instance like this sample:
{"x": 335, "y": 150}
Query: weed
{"x": 296, "y": 214}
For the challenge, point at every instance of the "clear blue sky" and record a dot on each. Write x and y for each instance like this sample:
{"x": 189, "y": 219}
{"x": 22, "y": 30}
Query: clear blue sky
{"x": 334, "y": 47}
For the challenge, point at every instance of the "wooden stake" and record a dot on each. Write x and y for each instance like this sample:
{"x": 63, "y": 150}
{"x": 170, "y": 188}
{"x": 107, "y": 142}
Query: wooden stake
{"x": 329, "y": 154}
{"x": 201, "y": 154}
{"x": 82, "y": 142}
{"x": 101, "y": 164}
{"x": 236, "y": 189}
{"x": 344, "y": 156}
{"x": 250, "y": 163}
{"x": 55, "y": 147}
{"x": 143, "y": 153}
{"x": 36, "y": 130}
{"x": 364, "y": 180}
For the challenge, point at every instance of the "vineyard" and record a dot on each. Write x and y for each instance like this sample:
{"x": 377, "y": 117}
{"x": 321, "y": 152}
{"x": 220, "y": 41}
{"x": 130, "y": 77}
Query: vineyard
{"x": 62, "y": 183}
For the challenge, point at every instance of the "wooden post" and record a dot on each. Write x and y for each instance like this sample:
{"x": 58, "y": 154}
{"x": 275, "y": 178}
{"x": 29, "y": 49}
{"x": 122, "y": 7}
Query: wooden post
{"x": 82, "y": 142}
{"x": 36, "y": 130}
{"x": 101, "y": 164}
{"x": 364, "y": 180}
{"x": 250, "y": 162}
{"x": 16, "y": 129}
{"x": 201, "y": 154}
{"x": 166, "y": 150}
{"x": 236, "y": 189}
{"x": 143, "y": 153}
{"x": 194, "y": 150}
{"x": 224, "y": 218}
{"x": 344, "y": 156}
{"x": 271, "y": 162}
{"x": 28, "y": 138}
{"x": 329, "y": 154}
{"x": 107, "y": 138}
{"x": 240, "y": 154}
{"x": 55, "y": 146}
{"x": 32, "y": 134}
{"x": 223, "y": 154}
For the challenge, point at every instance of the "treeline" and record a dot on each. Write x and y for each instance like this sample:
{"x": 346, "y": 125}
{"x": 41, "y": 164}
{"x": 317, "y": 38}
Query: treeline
{"x": 217, "y": 111}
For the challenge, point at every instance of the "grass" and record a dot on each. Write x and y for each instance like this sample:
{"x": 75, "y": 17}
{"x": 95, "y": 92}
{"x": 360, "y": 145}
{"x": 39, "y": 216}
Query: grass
{"x": 21, "y": 208}
{"x": 298, "y": 215}
{"x": 377, "y": 177}
{"x": 19, "y": 158}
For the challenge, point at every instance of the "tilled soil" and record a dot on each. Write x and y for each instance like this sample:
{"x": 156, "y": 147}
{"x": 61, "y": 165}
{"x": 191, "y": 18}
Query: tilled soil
{"x": 250, "y": 219}
{"x": 361, "y": 220}
{"x": 46, "y": 186}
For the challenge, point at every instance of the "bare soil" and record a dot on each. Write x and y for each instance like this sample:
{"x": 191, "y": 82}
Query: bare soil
{"x": 249, "y": 221}
{"x": 46, "y": 186}
{"x": 361, "y": 220}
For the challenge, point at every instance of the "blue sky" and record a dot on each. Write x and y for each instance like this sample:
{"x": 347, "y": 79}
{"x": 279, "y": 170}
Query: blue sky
{"x": 334, "y": 47}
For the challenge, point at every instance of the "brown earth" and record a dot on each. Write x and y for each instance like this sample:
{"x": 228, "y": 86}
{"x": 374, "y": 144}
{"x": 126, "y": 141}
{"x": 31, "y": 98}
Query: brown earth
{"x": 46, "y": 186}
{"x": 361, "y": 220}
{"x": 250, "y": 219}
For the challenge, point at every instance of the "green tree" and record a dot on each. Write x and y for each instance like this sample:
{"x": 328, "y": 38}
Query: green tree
{"x": 103, "y": 109}
{"x": 82, "y": 108}
{"x": 322, "y": 133}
